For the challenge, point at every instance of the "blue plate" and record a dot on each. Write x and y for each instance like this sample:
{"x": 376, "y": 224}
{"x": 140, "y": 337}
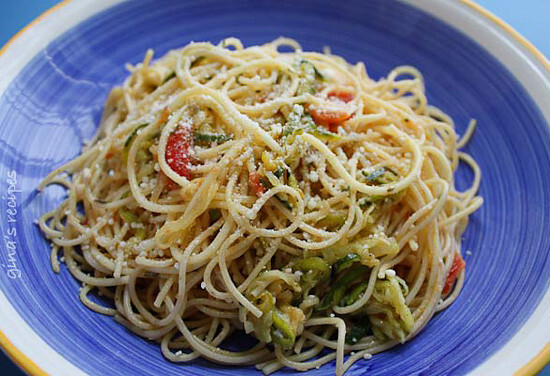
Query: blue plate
{"x": 64, "y": 67}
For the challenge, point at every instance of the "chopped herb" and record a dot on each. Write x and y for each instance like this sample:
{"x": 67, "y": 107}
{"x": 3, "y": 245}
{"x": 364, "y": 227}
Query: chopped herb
{"x": 279, "y": 171}
{"x": 332, "y": 220}
{"x": 339, "y": 288}
{"x": 140, "y": 233}
{"x": 298, "y": 121}
{"x": 316, "y": 264}
{"x": 285, "y": 203}
{"x": 342, "y": 284}
{"x": 267, "y": 185}
{"x": 355, "y": 293}
{"x": 208, "y": 138}
{"x": 345, "y": 262}
{"x": 132, "y": 135}
{"x": 358, "y": 331}
{"x": 365, "y": 202}
{"x": 324, "y": 135}
{"x": 292, "y": 182}
{"x": 308, "y": 73}
{"x": 128, "y": 216}
{"x": 382, "y": 175}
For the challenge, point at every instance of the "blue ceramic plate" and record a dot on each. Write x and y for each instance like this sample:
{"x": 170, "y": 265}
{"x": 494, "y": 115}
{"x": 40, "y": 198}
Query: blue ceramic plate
{"x": 56, "y": 77}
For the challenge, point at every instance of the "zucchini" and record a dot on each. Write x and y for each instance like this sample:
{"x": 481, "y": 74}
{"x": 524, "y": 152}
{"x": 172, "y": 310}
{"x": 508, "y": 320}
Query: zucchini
{"x": 314, "y": 264}
{"x": 332, "y": 220}
{"x": 208, "y": 138}
{"x": 345, "y": 262}
{"x": 339, "y": 288}
{"x": 358, "y": 331}
{"x": 382, "y": 175}
{"x": 324, "y": 135}
{"x": 341, "y": 285}
{"x": 267, "y": 185}
{"x": 128, "y": 216}
{"x": 282, "y": 333}
{"x": 132, "y": 135}
{"x": 355, "y": 293}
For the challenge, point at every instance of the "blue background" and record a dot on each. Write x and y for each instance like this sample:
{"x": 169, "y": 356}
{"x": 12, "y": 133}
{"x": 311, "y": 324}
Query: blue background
{"x": 529, "y": 17}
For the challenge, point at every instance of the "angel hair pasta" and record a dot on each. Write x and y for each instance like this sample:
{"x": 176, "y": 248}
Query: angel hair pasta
{"x": 285, "y": 195}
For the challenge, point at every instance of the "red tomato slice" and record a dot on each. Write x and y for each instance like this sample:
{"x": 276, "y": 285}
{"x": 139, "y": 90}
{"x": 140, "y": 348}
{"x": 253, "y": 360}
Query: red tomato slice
{"x": 256, "y": 184}
{"x": 329, "y": 119}
{"x": 177, "y": 150}
{"x": 456, "y": 268}
{"x": 341, "y": 95}
{"x": 164, "y": 115}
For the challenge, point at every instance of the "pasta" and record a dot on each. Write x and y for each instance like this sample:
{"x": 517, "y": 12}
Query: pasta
{"x": 284, "y": 194}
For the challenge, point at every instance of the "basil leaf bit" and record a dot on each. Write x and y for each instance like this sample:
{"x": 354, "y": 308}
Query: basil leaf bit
{"x": 345, "y": 262}
{"x": 382, "y": 175}
{"x": 202, "y": 139}
{"x": 132, "y": 135}
{"x": 359, "y": 330}
{"x": 267, "y": 185}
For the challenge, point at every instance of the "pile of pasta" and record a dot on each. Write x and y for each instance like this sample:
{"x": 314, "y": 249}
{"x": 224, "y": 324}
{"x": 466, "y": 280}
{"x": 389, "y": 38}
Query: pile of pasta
{"x": 286, "y": 195}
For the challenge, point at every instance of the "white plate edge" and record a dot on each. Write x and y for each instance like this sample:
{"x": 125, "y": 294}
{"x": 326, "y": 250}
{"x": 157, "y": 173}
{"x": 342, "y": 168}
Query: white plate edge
{"x": 534, "y": 334}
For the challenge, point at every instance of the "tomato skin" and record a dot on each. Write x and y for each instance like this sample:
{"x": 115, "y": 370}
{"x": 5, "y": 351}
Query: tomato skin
{"x": 456, "y": 269}
{"x": 256, "y": 184}
{"x": 343, "y": 96}
{"x": 177, "y": 152}
{"x": 165, "y": 115}
{"x": 331, "y": 119}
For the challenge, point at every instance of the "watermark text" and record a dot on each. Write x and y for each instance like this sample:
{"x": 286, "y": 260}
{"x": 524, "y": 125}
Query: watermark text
{"x": 10, "y": 234}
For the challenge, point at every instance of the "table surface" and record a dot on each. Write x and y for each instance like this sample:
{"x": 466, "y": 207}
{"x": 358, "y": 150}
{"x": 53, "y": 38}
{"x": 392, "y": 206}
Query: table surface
{"x": 529, "y": 17}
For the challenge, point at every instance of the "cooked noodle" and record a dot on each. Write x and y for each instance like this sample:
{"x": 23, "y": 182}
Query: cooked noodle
{"x": 288, "y": 195}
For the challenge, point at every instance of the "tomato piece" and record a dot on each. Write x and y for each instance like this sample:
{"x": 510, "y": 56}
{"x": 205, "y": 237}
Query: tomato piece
{"x": 341, "y": 95}
{"x": 165, "y": 115}
{"x": 456, "y": 268}
{"x": 329, "y": 119}
{"x": 256, "y": 184}
{"x": 177, "y": 150}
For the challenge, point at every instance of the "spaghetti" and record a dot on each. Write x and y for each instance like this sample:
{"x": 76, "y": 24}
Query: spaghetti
{"x": 285, "y": 194}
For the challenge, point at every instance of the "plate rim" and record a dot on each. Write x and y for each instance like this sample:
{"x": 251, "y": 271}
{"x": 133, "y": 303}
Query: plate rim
{"x": 534, "y": 365}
